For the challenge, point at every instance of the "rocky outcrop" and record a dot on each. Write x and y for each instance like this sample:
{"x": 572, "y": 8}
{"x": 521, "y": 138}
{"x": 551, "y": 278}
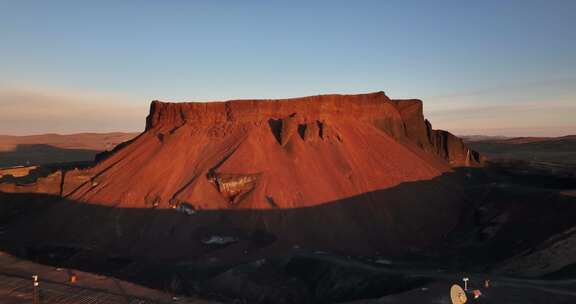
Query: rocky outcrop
{"x": 452, "y": 148}
{"x": 233, "y": 186}
{"x": 50, "y": 184}
{"x": 440, "y": 142}
{"x": 60, "y": 182}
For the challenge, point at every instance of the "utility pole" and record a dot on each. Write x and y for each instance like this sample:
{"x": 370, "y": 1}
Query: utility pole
{"x": 465, "y": 283}
{"x": 35, "y": 290}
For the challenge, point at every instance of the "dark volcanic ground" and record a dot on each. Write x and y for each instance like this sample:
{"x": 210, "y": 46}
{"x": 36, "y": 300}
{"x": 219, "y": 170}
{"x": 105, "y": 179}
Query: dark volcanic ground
{"x": 519, "y": 232}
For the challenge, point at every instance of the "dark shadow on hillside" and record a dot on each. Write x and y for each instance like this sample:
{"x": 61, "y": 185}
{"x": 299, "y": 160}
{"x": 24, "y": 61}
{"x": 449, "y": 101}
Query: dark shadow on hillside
{"x": 157, "y": 247}
{"x": 41, "y": 154}
{"x": 433, "y": 223}
{"x": 408, "y": 215}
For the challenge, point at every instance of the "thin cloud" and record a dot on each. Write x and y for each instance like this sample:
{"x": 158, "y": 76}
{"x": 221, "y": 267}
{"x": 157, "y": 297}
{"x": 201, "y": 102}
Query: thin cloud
{"x": 508, "y": 87}
{"x": 545, "y": 118}
{"x": 535, "y": 131}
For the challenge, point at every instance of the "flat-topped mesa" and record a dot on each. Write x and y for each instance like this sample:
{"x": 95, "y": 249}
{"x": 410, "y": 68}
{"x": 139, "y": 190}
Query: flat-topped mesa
{"x": 373, "y": 107}
{"x": 402, "y": 119}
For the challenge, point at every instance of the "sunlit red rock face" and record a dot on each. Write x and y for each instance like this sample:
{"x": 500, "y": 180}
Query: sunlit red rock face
{"x": 273, "y": 154}
{"x": 439, "y": 142}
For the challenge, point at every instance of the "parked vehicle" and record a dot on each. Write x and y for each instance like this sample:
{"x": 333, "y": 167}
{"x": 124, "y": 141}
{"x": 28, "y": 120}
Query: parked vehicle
{"x": 185, "y": 208}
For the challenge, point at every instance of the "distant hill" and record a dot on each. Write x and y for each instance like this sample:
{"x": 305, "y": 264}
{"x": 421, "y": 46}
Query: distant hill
{"x": 561, "y": 150}
{"x": 56, "y": 148}
{"x": 474, "y": 138}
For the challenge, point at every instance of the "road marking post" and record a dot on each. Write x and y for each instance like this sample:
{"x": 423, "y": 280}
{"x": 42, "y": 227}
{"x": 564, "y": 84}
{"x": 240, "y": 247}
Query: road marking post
{"x": 35, "y": 290}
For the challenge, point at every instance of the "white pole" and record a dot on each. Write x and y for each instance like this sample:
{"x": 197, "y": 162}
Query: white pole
{"x": 35, "y": 291}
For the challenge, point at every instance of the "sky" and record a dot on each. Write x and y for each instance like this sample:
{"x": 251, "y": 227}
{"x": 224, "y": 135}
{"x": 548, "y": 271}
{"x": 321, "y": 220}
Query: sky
{"x": 481, "y": 67}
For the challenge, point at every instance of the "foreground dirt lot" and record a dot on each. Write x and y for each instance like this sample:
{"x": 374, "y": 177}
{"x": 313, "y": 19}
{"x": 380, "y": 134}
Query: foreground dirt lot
{"x": 16, "y": 286}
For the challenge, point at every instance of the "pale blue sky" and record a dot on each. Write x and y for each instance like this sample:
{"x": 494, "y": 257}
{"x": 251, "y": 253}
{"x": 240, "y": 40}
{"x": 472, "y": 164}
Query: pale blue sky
{"x": 490, "y": 67}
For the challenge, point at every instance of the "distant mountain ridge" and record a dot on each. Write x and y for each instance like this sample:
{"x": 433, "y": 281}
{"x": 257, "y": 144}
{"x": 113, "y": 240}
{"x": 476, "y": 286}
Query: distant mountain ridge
{"x": 561, "y": 150}
{"x": 513, "y": 140}
{"x": 94, "y": 141}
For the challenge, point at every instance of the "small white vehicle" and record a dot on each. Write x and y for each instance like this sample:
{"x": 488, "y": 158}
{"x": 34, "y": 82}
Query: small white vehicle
{"x": 185, "y": 208}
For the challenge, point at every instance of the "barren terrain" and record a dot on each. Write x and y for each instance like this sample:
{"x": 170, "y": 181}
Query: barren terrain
{"x": 321, "y": 199}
